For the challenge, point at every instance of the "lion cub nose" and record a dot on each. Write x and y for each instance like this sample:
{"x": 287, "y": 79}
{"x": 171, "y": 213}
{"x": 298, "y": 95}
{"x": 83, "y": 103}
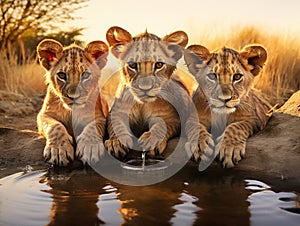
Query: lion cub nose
{"x": 72, "y": 93}
{"x": 225, "y": 98}
{"x": 145, "y": 83}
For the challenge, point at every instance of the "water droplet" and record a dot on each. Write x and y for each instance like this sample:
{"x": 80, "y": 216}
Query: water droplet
{"x": 144, "y": 159}
{"x": 27, "y": 169}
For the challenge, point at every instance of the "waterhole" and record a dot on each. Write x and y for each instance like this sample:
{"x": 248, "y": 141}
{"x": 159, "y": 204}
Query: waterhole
{"x": 82, "y": 197}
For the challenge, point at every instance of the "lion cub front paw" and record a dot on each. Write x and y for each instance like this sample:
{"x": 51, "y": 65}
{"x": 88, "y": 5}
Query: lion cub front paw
{"x": 201, "y": 150}
{"x": 231, "y": 151}
{"x": 59, "y": 151}
{"x": 116, "y": 148}
{"x": 153, "y": 144}
{"x": 90, "y": 147}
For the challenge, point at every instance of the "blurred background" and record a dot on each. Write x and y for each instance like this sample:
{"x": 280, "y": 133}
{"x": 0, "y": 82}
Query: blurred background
{"x": 214, "y": 24}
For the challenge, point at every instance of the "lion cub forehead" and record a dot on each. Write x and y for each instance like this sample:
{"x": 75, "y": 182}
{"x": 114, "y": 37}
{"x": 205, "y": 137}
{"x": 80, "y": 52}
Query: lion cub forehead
{"x": 73, "y": 54}
{"x": 225, "y": 55}
{"x": 74, "y": 60}
{"x": 225, "y": 60}
{"x": 149, "y": 48}
{"x": 146, "y": 36}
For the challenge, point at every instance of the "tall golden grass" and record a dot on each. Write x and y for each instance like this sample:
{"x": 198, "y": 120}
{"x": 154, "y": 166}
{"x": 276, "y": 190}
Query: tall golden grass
{"x": 279, "y": 79}
{"x": 19, "y": 72}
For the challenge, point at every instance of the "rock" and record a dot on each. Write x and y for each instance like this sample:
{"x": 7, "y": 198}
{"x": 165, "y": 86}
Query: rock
{"x": 292, "y": 105}
{"x": 273, "y": 154}
{"x": 275, "y": 151}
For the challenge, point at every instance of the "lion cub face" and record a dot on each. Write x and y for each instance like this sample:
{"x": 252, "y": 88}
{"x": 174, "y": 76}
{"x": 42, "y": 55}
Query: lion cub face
{"x": 225, "y": 76}
{"x": 148, "y": 61}
{"x": 72, "y": 72}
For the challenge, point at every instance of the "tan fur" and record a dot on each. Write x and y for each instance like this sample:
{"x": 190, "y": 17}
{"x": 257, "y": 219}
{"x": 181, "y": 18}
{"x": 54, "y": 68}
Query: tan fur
{"x": 141, "y": 119}
{"x": 72, "y": 112}
{"x": 228, "y": 109}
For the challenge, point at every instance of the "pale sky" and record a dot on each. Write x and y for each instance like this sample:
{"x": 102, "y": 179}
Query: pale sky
{"x": 194, "y": 17}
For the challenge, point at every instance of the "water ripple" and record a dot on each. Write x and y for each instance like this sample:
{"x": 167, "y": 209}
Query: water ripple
{"x": 24, "y": 200}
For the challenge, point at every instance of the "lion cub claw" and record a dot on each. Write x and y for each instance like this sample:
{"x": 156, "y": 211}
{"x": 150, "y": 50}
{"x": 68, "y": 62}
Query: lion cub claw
{"x": 116, "y": 148}
{"x": 230, "y": 152}
{"x": 60, "y": 151}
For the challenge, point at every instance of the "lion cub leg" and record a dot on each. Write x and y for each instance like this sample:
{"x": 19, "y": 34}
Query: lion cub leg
{"x": 200, "y": 144}
{"x": 90, "y": 147}
{"x": 59, "y": 148}
{"x": 120, "y": 138}
{"x": 232, "y": 144}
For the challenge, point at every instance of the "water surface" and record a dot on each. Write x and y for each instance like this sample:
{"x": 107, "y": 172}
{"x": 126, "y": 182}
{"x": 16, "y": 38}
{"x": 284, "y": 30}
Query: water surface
{"x": 82, "y": 197}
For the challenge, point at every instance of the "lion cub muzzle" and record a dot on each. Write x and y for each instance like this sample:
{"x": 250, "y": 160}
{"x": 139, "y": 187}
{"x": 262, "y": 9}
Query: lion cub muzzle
{"x": 145, "y": 83}
{"x": 144, "y": 88}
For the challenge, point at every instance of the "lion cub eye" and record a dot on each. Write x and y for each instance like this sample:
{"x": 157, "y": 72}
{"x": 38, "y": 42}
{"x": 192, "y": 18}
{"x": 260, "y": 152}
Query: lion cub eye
{"x": 237, "y": 77}
{"x": 212, "y": 76}
{"x": 85, "y": 75}
{"x": 62, "y": 76}
{"x": 133, "y": 65}
{"x": 159, "y": 65}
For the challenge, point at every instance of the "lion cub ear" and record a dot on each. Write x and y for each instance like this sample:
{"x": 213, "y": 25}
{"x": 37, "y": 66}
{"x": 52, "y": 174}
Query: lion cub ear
{"x": 178, "y": 37}
{"x": 196, "y": 56}
{"x": 97, "y": 51}
{"x": 254, "y": 56}
{"x": 49, "y": 52}
{"x": 176, "y": 42}
{"x": 117, "y": 38}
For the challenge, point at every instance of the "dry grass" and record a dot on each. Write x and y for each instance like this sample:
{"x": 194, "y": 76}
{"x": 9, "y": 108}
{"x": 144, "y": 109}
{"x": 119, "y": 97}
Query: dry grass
{"x": 279, "y": 79}
{"x": 20, "y": 73}
{"x": 281, "y": 75}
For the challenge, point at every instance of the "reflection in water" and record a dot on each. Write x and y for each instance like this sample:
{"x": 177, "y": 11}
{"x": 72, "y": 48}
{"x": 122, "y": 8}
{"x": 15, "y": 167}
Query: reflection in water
{"x": 75, "y": 196}
{"x": 186, "y": 211}
{"x": 82, "y": 197}
{"x": 151, "y": 205}
{"x": 222, "y": 198}
{"x": 270, "y": 208}
{"x": 24, "y": 200}
{"x": 109, "y": 205}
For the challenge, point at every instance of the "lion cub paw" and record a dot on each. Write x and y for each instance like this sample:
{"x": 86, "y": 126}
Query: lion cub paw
{"x": 90, "y": 147}
{"x": 153, "y": 144}
{"x": 203, "y": 149}
{"x": 231, "y": 152}
{"x": 59, "y": 151}
{"x": 116, "y": 148}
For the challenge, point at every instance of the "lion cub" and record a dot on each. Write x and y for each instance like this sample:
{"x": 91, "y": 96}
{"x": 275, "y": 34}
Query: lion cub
{"x": 143, "y": 118}
{"x": 73, "y": 113}
{"x": 228, "y": 109}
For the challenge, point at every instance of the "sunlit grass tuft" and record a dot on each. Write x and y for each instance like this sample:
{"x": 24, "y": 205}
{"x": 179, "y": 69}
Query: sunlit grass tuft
{"x": 19, "y": 73}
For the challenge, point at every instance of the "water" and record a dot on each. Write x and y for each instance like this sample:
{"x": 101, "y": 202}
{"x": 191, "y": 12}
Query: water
{"x": 82, "y": 197}
{"x": 143, "y": 159}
